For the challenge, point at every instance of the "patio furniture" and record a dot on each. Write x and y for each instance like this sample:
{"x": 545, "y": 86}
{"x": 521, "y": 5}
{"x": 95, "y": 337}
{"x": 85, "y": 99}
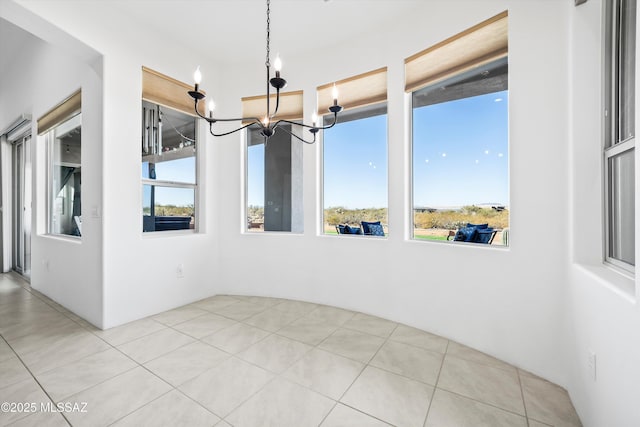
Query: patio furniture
{"x": 346, "y": 229}
{"x": 474, "y": 233}
{"x": 372, "y": 228}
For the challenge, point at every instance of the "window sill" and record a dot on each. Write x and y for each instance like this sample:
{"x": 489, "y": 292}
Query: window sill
{"x": 63, "y": 238}
{"x": 168, "y": 233}
{"x": 618, "y": 282}
{"x": 460, "y": 244}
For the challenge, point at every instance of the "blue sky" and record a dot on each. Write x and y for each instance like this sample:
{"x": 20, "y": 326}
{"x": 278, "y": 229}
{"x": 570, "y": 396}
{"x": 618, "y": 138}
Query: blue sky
{"x": 460, "y": 152}
{"x": 180, "y": 170}
{"x": 460, "y": 157}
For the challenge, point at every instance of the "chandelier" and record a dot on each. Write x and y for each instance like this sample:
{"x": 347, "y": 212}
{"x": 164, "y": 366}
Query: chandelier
{"x": 269, "y": 123}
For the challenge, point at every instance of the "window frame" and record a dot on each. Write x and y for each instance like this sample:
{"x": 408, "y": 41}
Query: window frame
{"x": 614, "y": 145}
{"x": 359, "y": 110}
{"x": 71, "y": 122}
{"x": 176, "y": 184}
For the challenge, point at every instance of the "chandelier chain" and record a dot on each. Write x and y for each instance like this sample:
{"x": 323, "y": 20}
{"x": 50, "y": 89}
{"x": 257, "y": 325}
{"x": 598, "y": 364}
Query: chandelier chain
{"x": 268, "y": 62}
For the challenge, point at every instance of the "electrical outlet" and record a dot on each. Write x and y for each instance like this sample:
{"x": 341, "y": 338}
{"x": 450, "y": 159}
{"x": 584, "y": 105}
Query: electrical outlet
{"x": 180, "y": 271}
{"x": 591, "y": 364}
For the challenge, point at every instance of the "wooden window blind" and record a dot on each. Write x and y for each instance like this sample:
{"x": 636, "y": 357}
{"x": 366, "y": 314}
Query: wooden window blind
{"x": 61, "y": 112}
{"x": 290, "y": 106}
{"x": 168, "y": 92}
{"x": 474, "y": 47}
{"x": 357, "y": 91}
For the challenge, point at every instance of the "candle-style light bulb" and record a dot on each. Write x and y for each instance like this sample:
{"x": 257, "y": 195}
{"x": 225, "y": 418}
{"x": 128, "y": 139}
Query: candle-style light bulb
{"x": 265, "y": 121}
{"x": 277, "y": 65}
{"x": 335, "y": 94}
{"x": 212, "y": 105}
{"x": 197, "y": 78}
{"x": 314, "y": 118}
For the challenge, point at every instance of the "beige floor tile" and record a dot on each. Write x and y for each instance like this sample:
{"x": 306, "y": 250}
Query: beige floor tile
{"x": 282, "y": 404}
{"x": 331, "y": 315}
{"x": 488, "y": 384}
{"x": 172, "y": 409}
{"x": 352, "y": 344}
{"x": 344, "y": 416}
{"x": 416, "y": 337}
{"x": 548, "y": 403}
{"x": 5, "y": 351}
{"x": 371, "y": 325}
{"x": 271, "y": 319}
{"x": 41, "y": 419}
{"x": 64, "y": 351}
{"x": 12, "y": 371}
{"x": 178, "y": 315}
{"x": 463, "y": 352}
{"x": 308, "y": 330}
{"x": 46, "y": 337}
{"x": 275, "y": 353}
{"x": 298, "y": 308}
{"x": 117, "y": 397}
{"x": 215, "y": 302}
{"x": 264, "y": 302}
{"x": 204, "y": 325}
{"x": 155, "y": 345}
{"x": 84, "y": 373}
{"x": 27, "y": 391}
{"x": 236, "y": 338}
{"x": 240, "y": 311}
{"x": 324, "y": 372}
{"x": 225, "y": 387}
{"x": 533, "y": 423}
{"x": 389, "y": 397}
{"x": 43, "y": 325}
{"x": 186, "y": 362}
{"x": 130, "y": 331}
{"x": 452, "y": 410}
{"x": 409, "y": 361}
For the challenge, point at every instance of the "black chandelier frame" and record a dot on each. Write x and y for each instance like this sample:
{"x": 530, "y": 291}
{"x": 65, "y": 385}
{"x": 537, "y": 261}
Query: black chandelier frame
{"x": 267, "y": 126}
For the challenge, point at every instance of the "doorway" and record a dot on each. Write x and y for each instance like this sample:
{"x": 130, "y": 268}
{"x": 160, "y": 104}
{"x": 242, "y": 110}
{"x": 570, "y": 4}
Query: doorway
{"x": 21, "y": 205}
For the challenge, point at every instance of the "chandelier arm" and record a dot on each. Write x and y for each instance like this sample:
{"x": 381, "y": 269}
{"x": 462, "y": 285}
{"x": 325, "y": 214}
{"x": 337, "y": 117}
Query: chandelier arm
{"x": 335, "y": 120}
{"x": 213, "y": 119}
{"x": 230, "y": 132}
{"x": 297, "y": 137}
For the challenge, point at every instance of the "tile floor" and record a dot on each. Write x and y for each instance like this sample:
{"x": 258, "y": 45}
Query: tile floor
{"x": 251, "y": 361}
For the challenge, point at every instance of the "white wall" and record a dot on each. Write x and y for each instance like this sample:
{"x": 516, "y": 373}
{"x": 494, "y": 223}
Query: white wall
{"x": 539, "y": 304}
{"x": 602, "y": 312}
{"x": 508, "y": 303}
{"x": 37, "y": 79}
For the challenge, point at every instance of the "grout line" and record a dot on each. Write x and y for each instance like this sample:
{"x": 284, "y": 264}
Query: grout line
{"x": 435, "y": 386}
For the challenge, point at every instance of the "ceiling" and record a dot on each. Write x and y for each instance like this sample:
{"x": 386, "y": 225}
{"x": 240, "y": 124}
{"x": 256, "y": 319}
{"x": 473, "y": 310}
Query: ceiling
{"x": 233, "y": 30}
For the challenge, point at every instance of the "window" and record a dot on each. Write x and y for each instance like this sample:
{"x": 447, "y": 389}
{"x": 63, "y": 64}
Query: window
{"x": 355, "y": 156}
{"x": 460, "y": 150}
{"x": 274, "y": 182}
{"x": 169, "y": 180}
{"x": 273, "y": 197}
{"x": 61, "y": 127}
{"x": 355, "y": 171}
{"x": 619, "y": 147}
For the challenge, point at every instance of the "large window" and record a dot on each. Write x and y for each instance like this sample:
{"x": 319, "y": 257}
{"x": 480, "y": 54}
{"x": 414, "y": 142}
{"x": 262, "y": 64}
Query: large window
{"x": 168, "y": 169}
{"x": 460, "y": 157}
{"x": 460, "y": 148}
{"x": 619, "y": 147}
{"x": 355, "y": 155}
{"x": 273, "y": 192}
{"x": 355, "y": 172}
{"x": 61, "y": 128}
{"x": 274, "y": 182}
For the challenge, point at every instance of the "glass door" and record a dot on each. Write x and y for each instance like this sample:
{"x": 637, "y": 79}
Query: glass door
{"x": 22, "y": 206}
